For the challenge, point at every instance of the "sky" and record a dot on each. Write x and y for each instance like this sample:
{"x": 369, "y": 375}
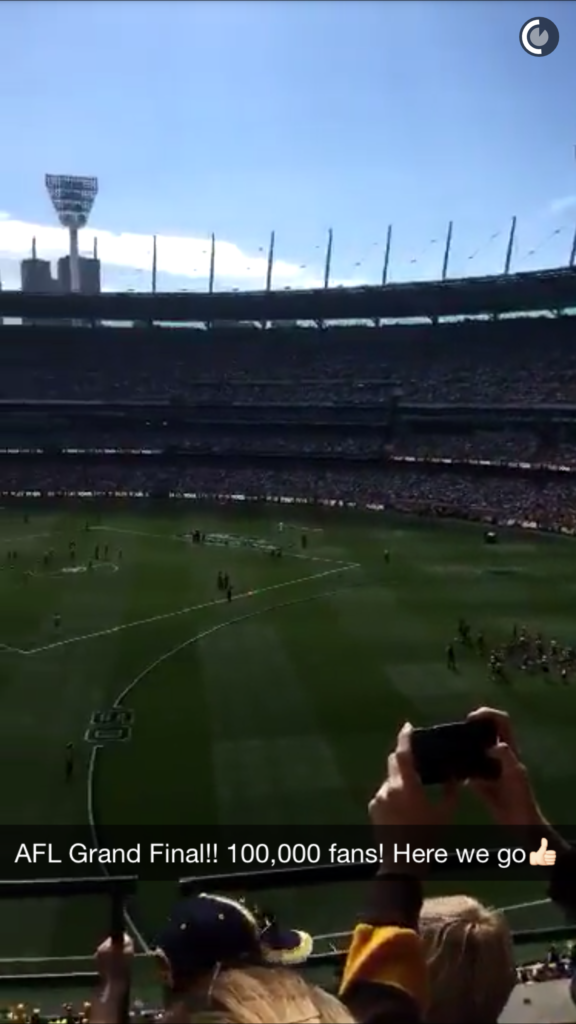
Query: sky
{"x": 240, "y": 117}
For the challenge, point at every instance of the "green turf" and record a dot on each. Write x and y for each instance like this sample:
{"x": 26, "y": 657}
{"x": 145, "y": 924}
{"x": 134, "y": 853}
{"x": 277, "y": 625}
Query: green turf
{"x": 284, "y": 711}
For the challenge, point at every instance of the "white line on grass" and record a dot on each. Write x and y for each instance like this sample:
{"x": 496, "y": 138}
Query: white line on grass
{"x": 186, "y": 611}
{"x": 143, "y": 675}
{"x": 186, "y": 540}
{"x": 24, "y": 536}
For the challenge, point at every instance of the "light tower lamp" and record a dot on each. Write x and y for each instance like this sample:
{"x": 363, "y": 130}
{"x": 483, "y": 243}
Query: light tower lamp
{"x": 73, "y": 199}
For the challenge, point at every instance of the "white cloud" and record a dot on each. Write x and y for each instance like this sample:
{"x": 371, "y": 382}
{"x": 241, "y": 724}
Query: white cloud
{"x": 127, "y": 259}
{"x": 562, "y": 204}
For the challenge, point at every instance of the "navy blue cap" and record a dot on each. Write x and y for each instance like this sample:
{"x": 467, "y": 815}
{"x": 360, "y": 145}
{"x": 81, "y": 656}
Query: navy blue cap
{"x": 207, "y": 930}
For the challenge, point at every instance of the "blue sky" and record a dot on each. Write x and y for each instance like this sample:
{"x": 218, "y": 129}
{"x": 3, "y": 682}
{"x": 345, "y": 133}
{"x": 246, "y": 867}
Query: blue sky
{"x": 241, "y": 117}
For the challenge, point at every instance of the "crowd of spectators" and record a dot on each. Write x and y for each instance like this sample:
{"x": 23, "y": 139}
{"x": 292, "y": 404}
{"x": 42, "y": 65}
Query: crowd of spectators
{"x": 518, "y": 361}
{"x": 548, "y": 501}
{"x": 495, "y": 446}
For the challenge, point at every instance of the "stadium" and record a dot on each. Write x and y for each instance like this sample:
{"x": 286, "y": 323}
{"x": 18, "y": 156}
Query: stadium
{"x": 238, "y": 539}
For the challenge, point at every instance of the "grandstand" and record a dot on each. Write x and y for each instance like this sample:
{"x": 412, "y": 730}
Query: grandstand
{"x": 267, "y": 714}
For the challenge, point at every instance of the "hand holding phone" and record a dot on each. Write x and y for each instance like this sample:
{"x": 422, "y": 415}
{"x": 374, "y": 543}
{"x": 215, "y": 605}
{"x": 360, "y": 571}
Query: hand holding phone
{"x": 456, "y": 751}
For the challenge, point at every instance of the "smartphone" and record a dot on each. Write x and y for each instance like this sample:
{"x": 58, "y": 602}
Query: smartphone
{"x": 456, "y": 751}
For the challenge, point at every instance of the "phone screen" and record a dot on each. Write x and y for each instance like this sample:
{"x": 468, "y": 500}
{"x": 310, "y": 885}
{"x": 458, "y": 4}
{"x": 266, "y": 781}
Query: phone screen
{"x": 456, "y": 751}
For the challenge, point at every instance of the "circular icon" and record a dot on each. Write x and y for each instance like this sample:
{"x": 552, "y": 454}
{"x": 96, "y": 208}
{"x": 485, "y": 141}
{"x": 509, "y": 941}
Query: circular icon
{"x": 539, "y": 37}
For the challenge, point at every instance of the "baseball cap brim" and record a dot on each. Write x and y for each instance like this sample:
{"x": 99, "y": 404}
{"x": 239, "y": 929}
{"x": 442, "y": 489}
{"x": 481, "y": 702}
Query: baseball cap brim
{"x": 286, "y": 947}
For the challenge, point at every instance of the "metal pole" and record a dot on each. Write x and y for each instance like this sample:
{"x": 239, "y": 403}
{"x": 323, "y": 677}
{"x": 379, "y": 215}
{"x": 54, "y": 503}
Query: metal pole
{"x": 510, "y": 249}
{"x": 212, "y": 264}
{"x": 154, "y": 263}
{"x": 572, "y": 259}
{"x": 447, "y": 252}
{"x": 328, "y": 264}
{"x": 74, "y": 261}
{"x": 387, "y": 255}
{"x": 270, "y": 267}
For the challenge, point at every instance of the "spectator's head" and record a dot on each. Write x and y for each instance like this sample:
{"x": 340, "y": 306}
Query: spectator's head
{"x": 207, "y": 933}
{"x": 260, "y": 995}
{"x": 470, "y": 960}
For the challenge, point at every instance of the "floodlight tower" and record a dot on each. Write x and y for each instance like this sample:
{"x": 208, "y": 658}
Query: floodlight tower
{"x": 73, "y": 199}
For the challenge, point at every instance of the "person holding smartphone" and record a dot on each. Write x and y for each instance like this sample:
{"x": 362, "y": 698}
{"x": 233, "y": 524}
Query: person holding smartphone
{"x": 511, "y": 802}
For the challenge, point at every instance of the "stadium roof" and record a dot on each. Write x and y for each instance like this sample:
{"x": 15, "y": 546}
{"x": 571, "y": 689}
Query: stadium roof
{"x": 545, "y": 290}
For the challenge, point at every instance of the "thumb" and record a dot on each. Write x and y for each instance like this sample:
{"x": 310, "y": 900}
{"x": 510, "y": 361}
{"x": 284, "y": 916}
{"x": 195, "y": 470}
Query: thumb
{"x": 543, "y": 846}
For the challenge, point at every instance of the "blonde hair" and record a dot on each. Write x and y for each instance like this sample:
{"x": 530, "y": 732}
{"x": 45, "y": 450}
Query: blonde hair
{"x": 470, "y": 958}
{"x": 260, "y": 995}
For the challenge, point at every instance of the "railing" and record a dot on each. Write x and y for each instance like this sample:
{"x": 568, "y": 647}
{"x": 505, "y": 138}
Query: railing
{"x": 298, "y": 877}
{"x": 118, "y": 889}
{"x": 115, "y": 889}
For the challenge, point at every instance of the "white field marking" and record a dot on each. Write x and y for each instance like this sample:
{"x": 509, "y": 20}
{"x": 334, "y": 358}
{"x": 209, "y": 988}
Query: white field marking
{"x": 25, "y": 536}
{"x": 186, "y": 540}
{"x": 138, "y": 533}
{"x": 76, "y": 570}
{"x": 146, "y": 672}
{"x": 12, "y": 650}
{"x": 186, "y": 611}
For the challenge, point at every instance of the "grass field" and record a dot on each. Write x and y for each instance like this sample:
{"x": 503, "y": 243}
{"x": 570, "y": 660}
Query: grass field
{"x": 278, "y": 708}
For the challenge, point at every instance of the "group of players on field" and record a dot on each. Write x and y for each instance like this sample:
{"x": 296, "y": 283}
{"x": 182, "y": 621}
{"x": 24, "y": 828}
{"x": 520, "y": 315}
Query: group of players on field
{"x": 51, "y": 558}
{"x": 523, "y": 650}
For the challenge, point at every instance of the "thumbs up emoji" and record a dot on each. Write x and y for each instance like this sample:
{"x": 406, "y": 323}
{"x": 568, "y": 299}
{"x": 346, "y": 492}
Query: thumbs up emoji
{"x": 543, "y": 857}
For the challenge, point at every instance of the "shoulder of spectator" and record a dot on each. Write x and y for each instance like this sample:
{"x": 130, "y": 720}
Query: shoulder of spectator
{"x": 385, "y": 974}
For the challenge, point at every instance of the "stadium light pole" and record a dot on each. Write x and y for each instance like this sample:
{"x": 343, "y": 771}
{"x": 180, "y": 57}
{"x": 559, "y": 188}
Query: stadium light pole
{"x": 212, "y": 270}
{"x": 328, "y": 262}
{"x": 72, "y": 198}
{"x": 154, "y": 263}
{"x": 386, "y": 263}
{"x": 510, "y": 249}
{"x": 447, "y": 248}
{"x": 270, "y": 263}
{"x": 572, "y": 259}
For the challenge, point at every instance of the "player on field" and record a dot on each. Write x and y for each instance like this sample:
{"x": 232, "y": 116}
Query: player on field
{"x": 464, "y": 631}
{"x": 57, "y": 620}
{"x": 450, "y": 658}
